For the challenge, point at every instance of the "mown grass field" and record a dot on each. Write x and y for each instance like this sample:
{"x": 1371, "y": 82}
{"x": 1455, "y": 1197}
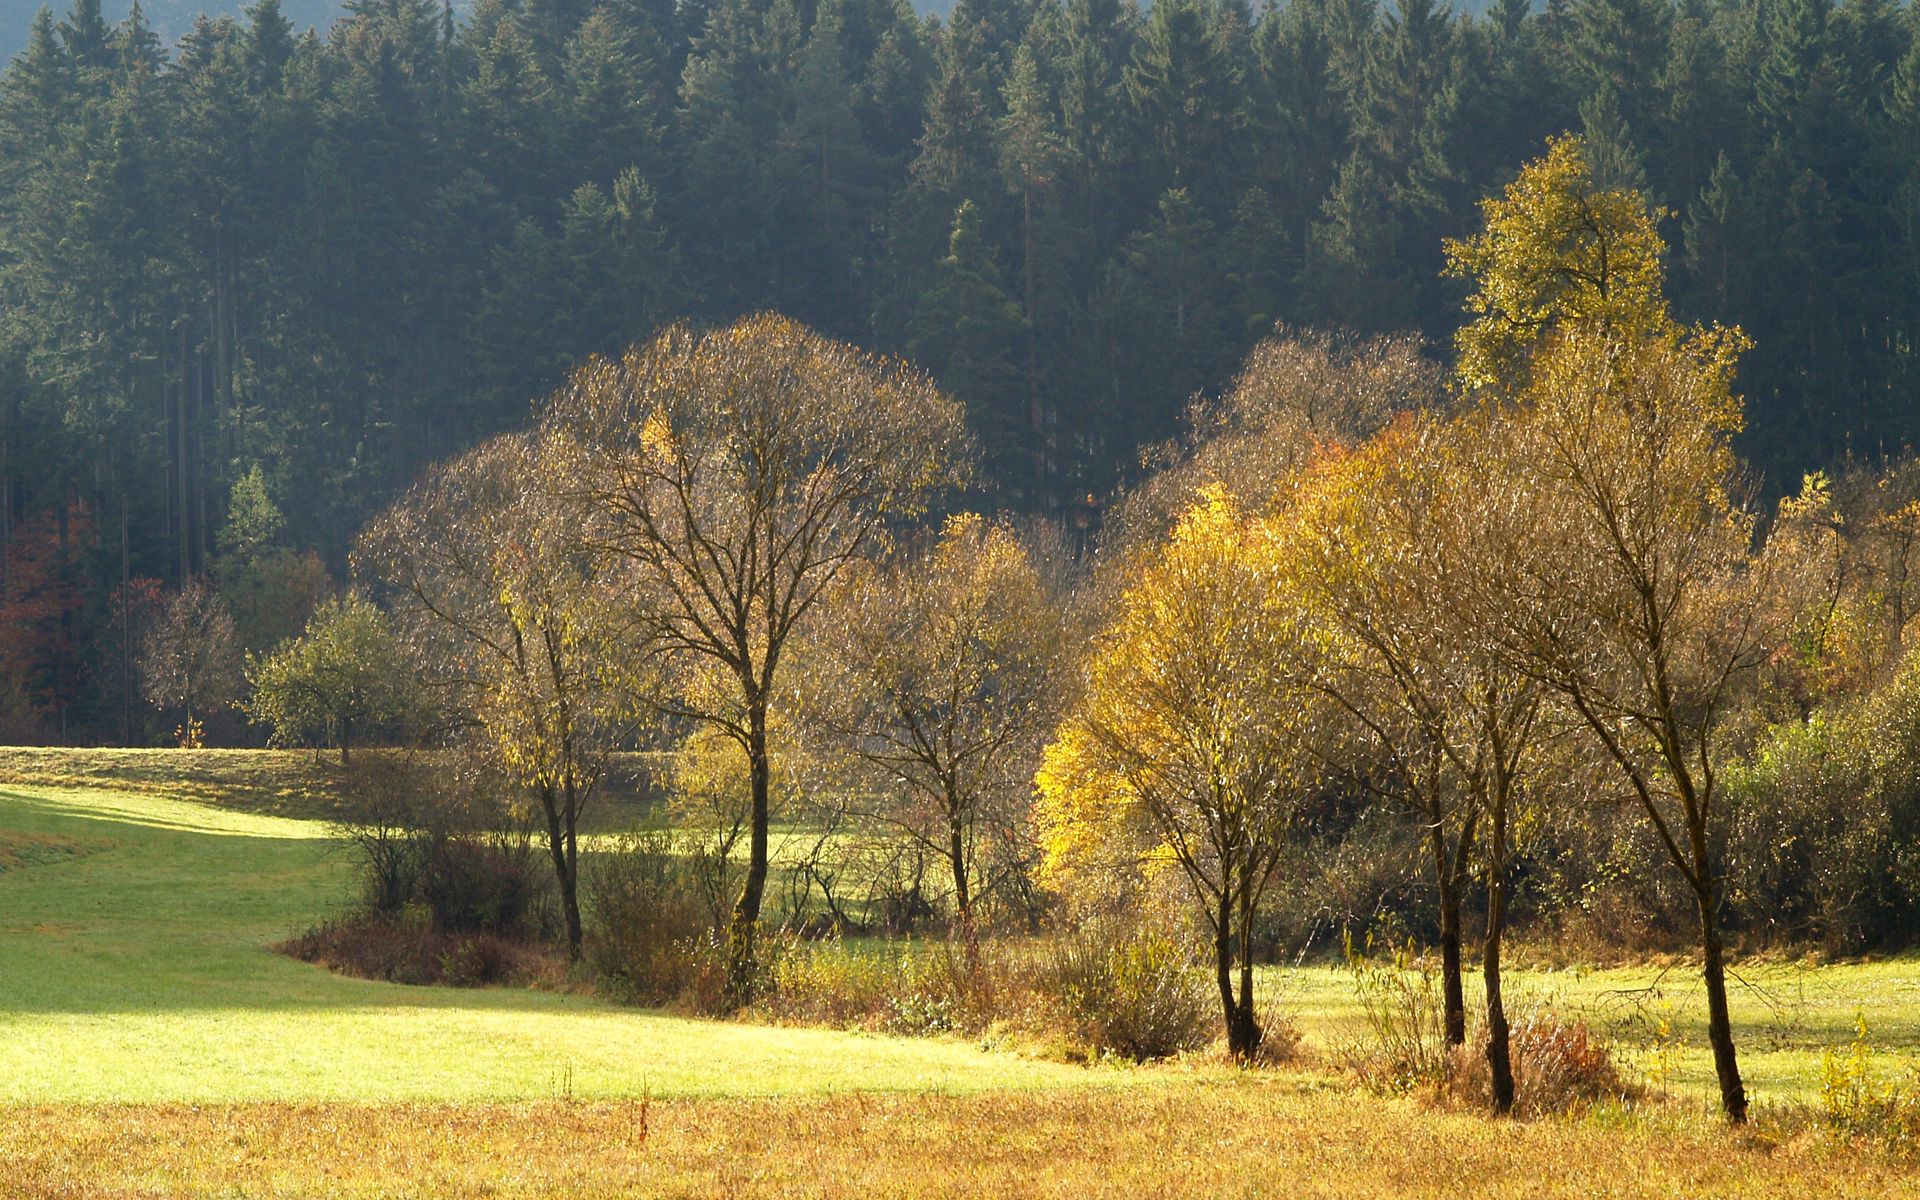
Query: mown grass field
{"x": 136, "y": 968}
{"x": 151, "y": 1044}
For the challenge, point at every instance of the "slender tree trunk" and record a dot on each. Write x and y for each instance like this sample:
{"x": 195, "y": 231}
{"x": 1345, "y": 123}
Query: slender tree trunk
{"x": 1223, "y": 970}
{"x": 126, "y": 621}
{"x": 1726, "y": 1065}
{"x": 182, "y": 492}
{"x": 1499, "y": 1048}
{"x": 346, "y": 741}
{"x": 569, "y": 862}
{"x": 1033, "y": 352}
{"x": 1452, "y": 989}
{"x": 558, "y": 839}
{"x": 746, "y": 911}
{"x": 1250, "y": 1032}
{"x": 957, "y": 859}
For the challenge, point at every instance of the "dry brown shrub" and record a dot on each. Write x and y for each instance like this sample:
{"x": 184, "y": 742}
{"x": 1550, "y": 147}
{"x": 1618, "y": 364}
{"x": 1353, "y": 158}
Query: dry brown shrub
{"x": 1559, "y": 1066}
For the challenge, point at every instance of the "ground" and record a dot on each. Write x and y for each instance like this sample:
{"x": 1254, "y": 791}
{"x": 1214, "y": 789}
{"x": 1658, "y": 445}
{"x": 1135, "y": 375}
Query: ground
{"x": 151, "y": 1044}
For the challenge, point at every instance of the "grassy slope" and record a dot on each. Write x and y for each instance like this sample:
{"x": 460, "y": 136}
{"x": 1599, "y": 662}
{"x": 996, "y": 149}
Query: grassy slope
{"x": 132, "y": 930}
{"x": 296, "y": 783}
{"x": 136, "y": 971}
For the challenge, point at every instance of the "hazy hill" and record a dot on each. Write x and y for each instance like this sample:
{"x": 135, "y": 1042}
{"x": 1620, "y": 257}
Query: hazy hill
{"x": 170, "y": 18}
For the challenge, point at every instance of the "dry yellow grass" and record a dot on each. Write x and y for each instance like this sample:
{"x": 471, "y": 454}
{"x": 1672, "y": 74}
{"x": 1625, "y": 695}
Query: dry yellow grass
{"x": 1274, "y": 1135}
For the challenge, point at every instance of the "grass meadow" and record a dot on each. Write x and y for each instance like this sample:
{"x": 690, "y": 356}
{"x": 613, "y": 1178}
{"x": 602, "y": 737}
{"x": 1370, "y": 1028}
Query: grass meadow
{"x": 151, "y": 1044}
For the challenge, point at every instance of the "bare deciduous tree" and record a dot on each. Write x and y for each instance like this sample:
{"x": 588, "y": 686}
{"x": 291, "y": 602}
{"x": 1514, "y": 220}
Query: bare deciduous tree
{"x": 190, "y": 657}
{"x": 736, "y": 475}
{"x": 932, "y": 676}
{"x": 1637, "y": 595}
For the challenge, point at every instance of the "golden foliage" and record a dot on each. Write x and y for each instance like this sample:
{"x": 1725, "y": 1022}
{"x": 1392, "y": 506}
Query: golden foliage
{"x": 1557, "y": 249}
{"x": 1187, "y": 745}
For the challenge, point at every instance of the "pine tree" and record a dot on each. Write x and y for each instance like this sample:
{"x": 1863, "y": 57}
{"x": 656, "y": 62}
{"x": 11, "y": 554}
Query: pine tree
{"x": 967, "y": 331}
{"x": 1183, "y": 86}
{"x": 1030, "y": 155}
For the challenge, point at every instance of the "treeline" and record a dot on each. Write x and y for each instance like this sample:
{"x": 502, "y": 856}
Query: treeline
{"x": 1509, "y": 647}
{"x": 340, "y": 257}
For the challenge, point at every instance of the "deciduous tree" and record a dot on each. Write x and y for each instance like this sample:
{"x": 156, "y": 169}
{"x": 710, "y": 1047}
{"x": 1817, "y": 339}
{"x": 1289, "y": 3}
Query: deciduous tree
{"x": 349, "y": 671}
{"x": 1633, "y": 591}
{"x": 486, "y": 580}
{"x": 933, "y": 676}
{"x": 1191, "y": 742}
{"x": 191, "y": 657}
{"x": 737, "y": 475}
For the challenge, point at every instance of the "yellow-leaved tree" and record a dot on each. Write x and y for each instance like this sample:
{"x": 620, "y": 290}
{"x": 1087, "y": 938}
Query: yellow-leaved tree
{"x": 928, "y": 684}
{"x": 1190, "y": 744}
{"x": 477, "y": 562}
{"x": 1558, "y": 249}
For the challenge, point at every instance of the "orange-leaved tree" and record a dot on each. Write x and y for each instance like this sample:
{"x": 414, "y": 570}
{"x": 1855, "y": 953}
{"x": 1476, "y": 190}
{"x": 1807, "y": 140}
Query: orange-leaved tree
{"x": 1394, "y": 534}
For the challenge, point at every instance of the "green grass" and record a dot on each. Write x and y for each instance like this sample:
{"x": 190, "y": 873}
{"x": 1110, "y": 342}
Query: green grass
{"x": 134, "y": 966}
{"x": 152, "y": 1045}
{"x": 1785, "y": 1014}
{"x": 139, "y": 971}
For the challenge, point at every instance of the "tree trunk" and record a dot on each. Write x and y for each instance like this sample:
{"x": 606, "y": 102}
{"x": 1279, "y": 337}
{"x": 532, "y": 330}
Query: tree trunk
{"x": 126, "y": 619}
{"x": 746, "y": 911}
{"x": 558, "y": 839}
{"x": 346, "y": 741}
{"x": 1499, "y": 1049}
{"x": 570, "y": 871}
{"x": 1223, "y": 964}
{"x": 1034, "y": 424}
{"x": 183, "y": 490}
{"x": 1251, "y": 1034}
{"x": 1243, "y": 1037}
{"x": 1452, "y": 989}
{"x": 1726, "y": 1066}
{"x": 957, "y": 859}
{"x": 962, "y": 897}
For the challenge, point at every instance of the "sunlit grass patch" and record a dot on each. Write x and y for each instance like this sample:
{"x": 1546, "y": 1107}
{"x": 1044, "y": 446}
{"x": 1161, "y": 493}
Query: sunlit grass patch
{"x": 142, "y": 973}
{"x": 1785, "y": 1014}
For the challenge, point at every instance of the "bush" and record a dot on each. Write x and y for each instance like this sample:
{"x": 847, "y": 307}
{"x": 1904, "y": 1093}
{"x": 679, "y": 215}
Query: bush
{"x": 1403, "y": 1045}
{"x": 484, "y": 883}
{"x": 409, "y": 949}
{"x": 439, "y": 839}
{"x": 1112, "y": 986}
{"x": 1860, "y": 1101}
{"x": 1558, "y": 1066}
{"x": 447, "y": 896}
{"x": 1124, "y": 987}
{"x": 907, "y": 988}
{"x": 651, "y": 940}
{"x": 1827, "y": 820}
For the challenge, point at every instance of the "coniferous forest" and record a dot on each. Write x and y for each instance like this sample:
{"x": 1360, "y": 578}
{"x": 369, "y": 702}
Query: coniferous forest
{"x": 253, "y": 282}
